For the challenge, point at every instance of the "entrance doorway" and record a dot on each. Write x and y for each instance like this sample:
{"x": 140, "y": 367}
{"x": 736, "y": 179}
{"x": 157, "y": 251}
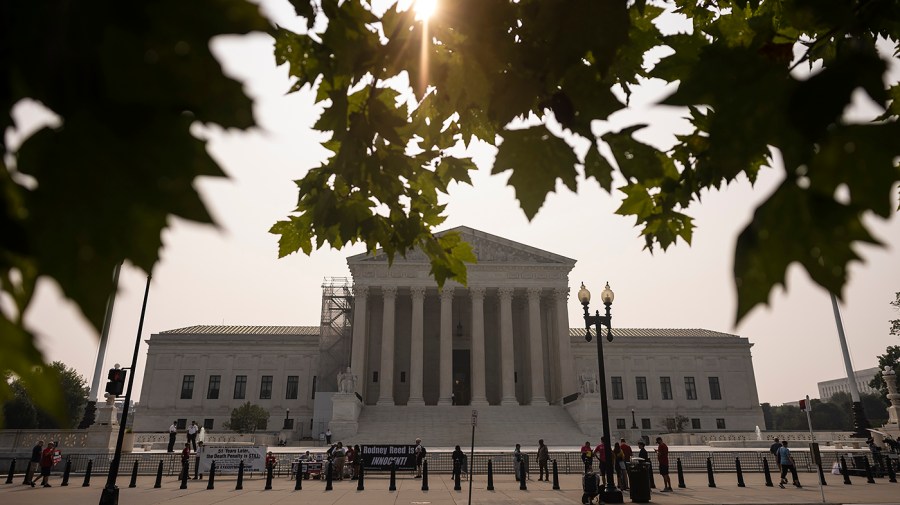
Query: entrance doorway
{"x": 462, "y": 390}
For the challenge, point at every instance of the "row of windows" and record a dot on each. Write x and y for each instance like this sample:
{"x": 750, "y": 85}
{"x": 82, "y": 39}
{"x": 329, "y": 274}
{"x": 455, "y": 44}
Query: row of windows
{"x": 665, "y": 387}
{"x": 240, "y": 387}
{"x": 670, "y": 423}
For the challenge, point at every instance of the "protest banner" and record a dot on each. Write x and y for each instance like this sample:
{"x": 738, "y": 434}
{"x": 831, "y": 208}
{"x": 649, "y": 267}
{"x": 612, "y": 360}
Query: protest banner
{"x": 228, "y": 458}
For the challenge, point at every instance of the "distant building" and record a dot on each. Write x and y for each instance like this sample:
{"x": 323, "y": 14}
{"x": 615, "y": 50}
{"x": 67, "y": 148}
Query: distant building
{"x": 417, "y": 355}
{"x": 863, "y": 377}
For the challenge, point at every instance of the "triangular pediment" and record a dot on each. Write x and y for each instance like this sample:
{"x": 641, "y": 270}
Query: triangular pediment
{"x": 488, "y": 248}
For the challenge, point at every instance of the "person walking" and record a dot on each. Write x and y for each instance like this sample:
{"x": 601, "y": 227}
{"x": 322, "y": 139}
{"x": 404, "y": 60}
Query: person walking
{"x": 357, "y": 461}
{"x": 47, "y": 458}
{"x": 173, "y": 430}
{"x": 774, "y": 450}
{"x": 192, "y": 434}
{"x": 34, "y": 463}
{"x": 662, "y": 455}
{"x": 420, "y": 453}
{"x": 543, "y": 456}
{"x": 787, "y": 463}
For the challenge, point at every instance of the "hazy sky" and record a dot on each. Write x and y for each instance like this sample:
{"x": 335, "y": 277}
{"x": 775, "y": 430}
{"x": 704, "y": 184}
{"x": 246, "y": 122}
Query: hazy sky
{"x": 231, "y": 274}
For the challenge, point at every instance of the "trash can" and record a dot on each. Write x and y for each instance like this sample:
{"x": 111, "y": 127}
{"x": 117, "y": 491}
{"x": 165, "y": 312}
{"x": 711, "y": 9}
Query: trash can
{"x": 639, "y": 479}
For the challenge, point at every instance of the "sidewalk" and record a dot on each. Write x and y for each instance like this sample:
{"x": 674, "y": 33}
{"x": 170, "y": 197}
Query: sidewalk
{"x": 506, "y": 491}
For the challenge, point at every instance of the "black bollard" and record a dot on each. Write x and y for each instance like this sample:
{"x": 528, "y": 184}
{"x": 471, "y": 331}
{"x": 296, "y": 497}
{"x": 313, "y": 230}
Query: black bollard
{"x": 555, "y": 476}
{"x": 393, "y": 484}
{"x": 197, "y": 468}
{"x": 240, "y": 479}
{"x": 159, "y": 469}
{"x": 87, "y": 474}
{"x": 184, "y": 475}
{"x": 767, "y": 472}
{"x": 740, "y": 475}
{"x": 522, "y": 484}
{"x": 134, "y": 471}
{"x": 12, "y": 470}
{"x": 821, "y": 475}
{"x": 268, "y": 477}
{"x": 359, "y": 484}
{"x": 490, "y": 477}
{"x": 709, "y": 473}
{"x": 425, "y": 475}
{"x": 25, "y": 480}
{"x": 457, "y": 470}
{"x": 328, "y": 477}
{"x": 844, "y": 471}
{"x": 650, "y": 473}
{"x": 869, "y": 477}
{"x": 66, "y": 472}
{"x": 892, "y": 476}
{"x": 680, "y": 473}
{"x": 298, "y": 480}
{"x": 212, "y": 476}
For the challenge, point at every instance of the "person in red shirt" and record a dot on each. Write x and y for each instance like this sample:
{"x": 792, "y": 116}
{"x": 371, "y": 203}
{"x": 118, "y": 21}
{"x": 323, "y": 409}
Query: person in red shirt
{"x": 47, "y": 463}
{"x": 662, "y": 455}
{"x": 626, "y": 458}
{"x": 600, "y": 454}
{"x": 587, "y": 456}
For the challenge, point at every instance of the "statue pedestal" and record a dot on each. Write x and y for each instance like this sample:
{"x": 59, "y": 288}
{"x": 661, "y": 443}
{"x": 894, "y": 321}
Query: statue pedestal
{"x": 345, "y": 410}
{"x": 585, "y": 411}
{"x": 104, "y": 432}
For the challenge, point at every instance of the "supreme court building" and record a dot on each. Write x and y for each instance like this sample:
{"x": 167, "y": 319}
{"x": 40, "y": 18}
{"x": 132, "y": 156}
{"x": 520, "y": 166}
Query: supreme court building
{"x": 407, "y": 351}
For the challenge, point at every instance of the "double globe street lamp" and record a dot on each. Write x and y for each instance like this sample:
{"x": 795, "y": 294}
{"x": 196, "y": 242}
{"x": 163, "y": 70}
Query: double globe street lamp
{"x": 610, "y": 493}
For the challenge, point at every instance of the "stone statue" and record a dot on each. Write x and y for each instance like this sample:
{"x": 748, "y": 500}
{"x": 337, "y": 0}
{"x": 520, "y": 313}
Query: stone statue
{"x": 589, "y": 383}
{"x": 346, "y": 382}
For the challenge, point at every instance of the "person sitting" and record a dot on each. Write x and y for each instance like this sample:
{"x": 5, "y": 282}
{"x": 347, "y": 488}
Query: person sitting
{"x": 590, "y": 484}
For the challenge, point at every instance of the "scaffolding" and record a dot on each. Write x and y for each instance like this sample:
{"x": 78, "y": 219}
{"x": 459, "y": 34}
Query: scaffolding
{"x": 335, "y": 331}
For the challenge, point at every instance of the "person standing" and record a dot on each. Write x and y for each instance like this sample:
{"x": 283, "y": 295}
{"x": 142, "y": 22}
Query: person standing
{"x": 662, "y": 455}
{"x": 458, "y": 457}
{"x": 517, "y": 462}
{"x": 600, "y": 454}
{"x": 47, "y": 456}
{"x": 357, "y": 461}
{"x": 192, "y": 434}
{"x": 419, "y": 452}
{"x": 173, "y": 430}
{"x": 340, "y": 457}
{"x": 34, "y": 463}
{"x": 185, "y": 460}
{"x": 787, "y": 463}
{"x": 543, "y": 456}
{"x": 328, "y": 436}
{"x": 587, "y": 456}
{"x": 642, "y": 451}
{"x": 627, "y": 453}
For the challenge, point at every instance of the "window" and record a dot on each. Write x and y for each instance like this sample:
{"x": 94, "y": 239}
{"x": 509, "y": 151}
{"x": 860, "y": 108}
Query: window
{"x": 690, "y": 388}
{"x": 181, "y": 424}
{"x": 665, "y": 385}
{"x": 641, "y": 384}
{"x": 402, "y": 376}
{"x": 695, "y": 424}
{"x": 212, "y": 392}
{"x": 720, "y": 423}
{"x": 375, "y": 376}
{"x": 293, "y": 387}
{"x": 618, "y": 392}
{"x": 265, "y": 388}
{"x": 645, "y": 424}
{"x": 208, "y": 424}
{"x": 187, "y": 387}
{"x": 620, "y": 424}
{"x": 714, "y": 391}
{"x": 240, "y": 387}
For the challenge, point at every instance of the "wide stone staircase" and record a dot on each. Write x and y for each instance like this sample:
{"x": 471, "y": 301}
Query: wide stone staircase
{"x": 447, "y": 426}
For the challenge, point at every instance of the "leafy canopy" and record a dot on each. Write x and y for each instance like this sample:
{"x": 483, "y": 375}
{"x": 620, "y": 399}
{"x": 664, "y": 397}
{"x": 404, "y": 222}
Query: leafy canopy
{"x": 126, "y": 81}
{"x": 757, "y": 79}
{"x": 247, "y": 418}
{"x": 890, "y": 359}
{"x": 20, "y": 411}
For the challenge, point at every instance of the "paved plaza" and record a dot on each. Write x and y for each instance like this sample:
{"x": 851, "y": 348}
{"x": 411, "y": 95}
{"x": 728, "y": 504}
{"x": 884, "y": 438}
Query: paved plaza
{"x": 506, "y": 491}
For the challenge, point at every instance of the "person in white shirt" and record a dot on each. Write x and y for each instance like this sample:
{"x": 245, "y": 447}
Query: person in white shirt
{"x": 172, "y": 431}
{"x": 192, "y": 434}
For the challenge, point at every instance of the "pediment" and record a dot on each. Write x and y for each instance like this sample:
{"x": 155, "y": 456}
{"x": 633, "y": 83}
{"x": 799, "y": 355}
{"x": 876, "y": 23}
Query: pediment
{"x": 488, "y": 248}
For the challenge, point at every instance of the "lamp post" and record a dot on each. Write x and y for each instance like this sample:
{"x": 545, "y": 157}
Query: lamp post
{"x": 287, "y": 419}
{"x": 609, "y": 494}
{"x": 634, "y": 425}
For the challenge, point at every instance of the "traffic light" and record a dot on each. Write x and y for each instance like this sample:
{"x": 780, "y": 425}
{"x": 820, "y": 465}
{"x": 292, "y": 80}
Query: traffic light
{"x": 803, "y": 405}
{"x": 116, "y": 383}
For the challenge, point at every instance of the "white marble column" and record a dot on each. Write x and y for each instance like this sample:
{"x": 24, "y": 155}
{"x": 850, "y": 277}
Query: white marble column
{"x": 358, "y": 350}
{"x": 479, "y": 396}
{"x": 446, "y": 353}
{"x": 417, "y": 347}
{"x": 386, "y": 374}
{"x": 537, "y": 347}
{"x": 566, "y": 362}
{"x": 507, "y": 358}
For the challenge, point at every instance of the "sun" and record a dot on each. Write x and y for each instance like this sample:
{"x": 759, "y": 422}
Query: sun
{"x": 425, "y": 9}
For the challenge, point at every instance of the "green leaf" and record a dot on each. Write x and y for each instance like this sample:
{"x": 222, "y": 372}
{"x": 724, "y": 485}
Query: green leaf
{"x": 597, "y": 166}
{"x": 537, "y": 158}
